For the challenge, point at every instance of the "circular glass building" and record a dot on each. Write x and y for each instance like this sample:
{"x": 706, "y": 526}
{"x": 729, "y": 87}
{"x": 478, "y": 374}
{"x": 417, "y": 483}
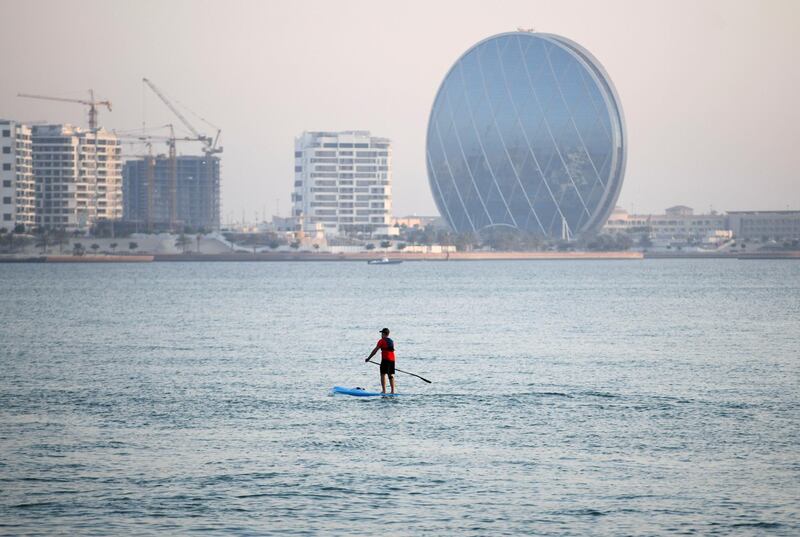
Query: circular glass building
{"x": 526, "y": 132}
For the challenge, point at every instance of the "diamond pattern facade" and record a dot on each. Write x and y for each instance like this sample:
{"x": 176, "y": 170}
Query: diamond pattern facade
{"x": 527, "y": 132}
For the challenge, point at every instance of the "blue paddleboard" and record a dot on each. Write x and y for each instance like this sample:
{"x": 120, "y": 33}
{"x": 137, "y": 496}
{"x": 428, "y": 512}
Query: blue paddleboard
{"x": 361, "y": 392}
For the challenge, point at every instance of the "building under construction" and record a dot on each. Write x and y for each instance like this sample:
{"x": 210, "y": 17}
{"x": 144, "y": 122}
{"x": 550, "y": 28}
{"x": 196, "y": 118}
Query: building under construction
{"x": 149, "y": 201}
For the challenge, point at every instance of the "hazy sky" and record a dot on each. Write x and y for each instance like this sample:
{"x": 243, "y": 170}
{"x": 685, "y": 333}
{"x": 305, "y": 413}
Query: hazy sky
{"x": 709, "y": 89}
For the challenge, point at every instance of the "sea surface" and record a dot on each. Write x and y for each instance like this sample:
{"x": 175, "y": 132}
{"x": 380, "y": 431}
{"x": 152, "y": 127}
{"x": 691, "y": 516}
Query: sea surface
{"x": 646, "y": 397}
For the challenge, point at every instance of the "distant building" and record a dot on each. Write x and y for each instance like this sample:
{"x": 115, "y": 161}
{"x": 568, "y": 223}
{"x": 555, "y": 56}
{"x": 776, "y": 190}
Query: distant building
{"x": 78, "y": 176}
{"x": 526, "y": 132}
{"x": 414, "y": 221}
{"x": 342, "y": 180}
{"x": 679, "y": 210}
{"x": 196, "y": 198}
{"x": 17, "y": 186}
{"x": 678, "y": 224}
{"x": 769, "y": 225}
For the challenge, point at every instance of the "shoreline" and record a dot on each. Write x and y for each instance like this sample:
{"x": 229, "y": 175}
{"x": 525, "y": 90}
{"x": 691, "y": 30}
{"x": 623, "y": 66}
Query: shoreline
{"x": 366, "y": 256}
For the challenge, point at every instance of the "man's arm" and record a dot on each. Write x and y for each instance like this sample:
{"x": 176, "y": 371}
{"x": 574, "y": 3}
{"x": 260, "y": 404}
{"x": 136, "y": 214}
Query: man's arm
{"x": 372, "y": 353}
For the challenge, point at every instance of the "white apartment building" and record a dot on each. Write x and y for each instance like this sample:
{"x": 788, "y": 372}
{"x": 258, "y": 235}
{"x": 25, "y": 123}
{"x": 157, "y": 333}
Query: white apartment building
{"x": 17, "y": 188}
{"x": 343, "y": 181}
{"x": 78, "y": 176}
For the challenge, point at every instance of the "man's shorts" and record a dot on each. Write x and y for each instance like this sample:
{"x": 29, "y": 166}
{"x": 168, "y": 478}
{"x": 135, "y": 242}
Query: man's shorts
{"x": 387, "y": 367}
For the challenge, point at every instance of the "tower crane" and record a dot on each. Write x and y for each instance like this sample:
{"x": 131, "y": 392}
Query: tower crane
{"x": 92, "y": 103}
{"x": 209, "y": 148}
{"x": 209, "y": 143}
{"x": 172, "y": 168}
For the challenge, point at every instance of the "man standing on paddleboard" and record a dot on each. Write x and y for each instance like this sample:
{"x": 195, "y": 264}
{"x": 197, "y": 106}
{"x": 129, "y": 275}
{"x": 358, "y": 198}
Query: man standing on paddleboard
{"x": 386, "y": 345}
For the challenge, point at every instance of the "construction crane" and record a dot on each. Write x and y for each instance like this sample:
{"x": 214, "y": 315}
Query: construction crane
{"x": 209, "y": 143}
{"x": 92, "y": 103}
{"x": 209, "y": 147}
{"x": 172, "y": 168}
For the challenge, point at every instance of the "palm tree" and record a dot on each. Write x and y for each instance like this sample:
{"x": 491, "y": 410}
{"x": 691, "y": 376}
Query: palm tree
{"x": 113, "y": 247}
{"x": 132, "y": 246}
{"x": 94, "y": 248}
{"x": 183, "y": 242}
{"x": 61, "y": 239}
{"x": 77, "y": 249}
{"x": 43, "y": 240}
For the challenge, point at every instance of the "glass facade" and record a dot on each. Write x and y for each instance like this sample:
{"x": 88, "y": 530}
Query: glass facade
{"x": 526, "y": 131}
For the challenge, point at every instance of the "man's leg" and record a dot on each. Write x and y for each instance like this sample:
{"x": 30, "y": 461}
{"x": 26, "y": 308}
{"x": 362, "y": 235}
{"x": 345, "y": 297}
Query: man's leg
{"x": 391, "y": 381}
{"x": 383, "y": 383}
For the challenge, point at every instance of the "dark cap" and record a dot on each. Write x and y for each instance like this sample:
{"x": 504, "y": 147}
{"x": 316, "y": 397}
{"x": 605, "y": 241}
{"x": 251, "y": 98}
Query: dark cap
{"x": 384, "y": 330}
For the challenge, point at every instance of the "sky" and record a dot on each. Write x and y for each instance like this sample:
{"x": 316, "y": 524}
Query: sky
{"x": 709, "y": 89}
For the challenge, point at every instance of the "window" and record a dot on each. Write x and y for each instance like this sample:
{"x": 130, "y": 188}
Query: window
{"x": 7, "y": 217}
{"x": 7, "y": 200}
{"x": 7, "y": 150}
{"x": 7, "y": 184}
{"x": 298, "y": 168}
{"x": 298, "y": 154}
{"x": 6, "y": 133}
{"x": 6, "y": 167}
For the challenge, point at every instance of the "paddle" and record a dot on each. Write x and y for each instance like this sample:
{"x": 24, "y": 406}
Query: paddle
{"x": 401, "y": 371}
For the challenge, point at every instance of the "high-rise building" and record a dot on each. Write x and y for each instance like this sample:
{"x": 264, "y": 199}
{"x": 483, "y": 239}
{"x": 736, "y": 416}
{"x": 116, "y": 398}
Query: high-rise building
{"x": 17, "y": 187}
{"x": 526, "y": 132}
{"x": 196, "y": 199}
{"x": 78, "y": 176}
{"x": 343, "y": 181}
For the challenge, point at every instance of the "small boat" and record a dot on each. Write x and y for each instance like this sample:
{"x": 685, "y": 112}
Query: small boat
{"x": 384, "y": 261}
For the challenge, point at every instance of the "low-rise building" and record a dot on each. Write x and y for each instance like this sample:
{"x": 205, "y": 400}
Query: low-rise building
{"x": 765, "y": 225}
{"x": 676, "y": 224}
{"x": 680, "y": 224}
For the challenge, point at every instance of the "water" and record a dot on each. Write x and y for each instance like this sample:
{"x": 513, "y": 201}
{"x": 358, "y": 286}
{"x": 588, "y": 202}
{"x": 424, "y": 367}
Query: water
{"x": 569, "y": 398}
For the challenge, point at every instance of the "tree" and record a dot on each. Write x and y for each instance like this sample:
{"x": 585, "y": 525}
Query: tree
{"x": 401, "y": 246}
{"x": 94, "y": 248}
{"x": 369, "y": 246}
{"x": 61, "y": 238}
{"x": 295, "y": 245}
{"x": 132, "y": 246}
{"x": 77, "y": 249}
{"x": 385, "y": 244}
{"x": 113, "y": 247}
{"x": 183, "y": 242}
{"x": 316, "y": 246}
{"x": 199, "y": 236}
{"x": 43, "y": 240}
